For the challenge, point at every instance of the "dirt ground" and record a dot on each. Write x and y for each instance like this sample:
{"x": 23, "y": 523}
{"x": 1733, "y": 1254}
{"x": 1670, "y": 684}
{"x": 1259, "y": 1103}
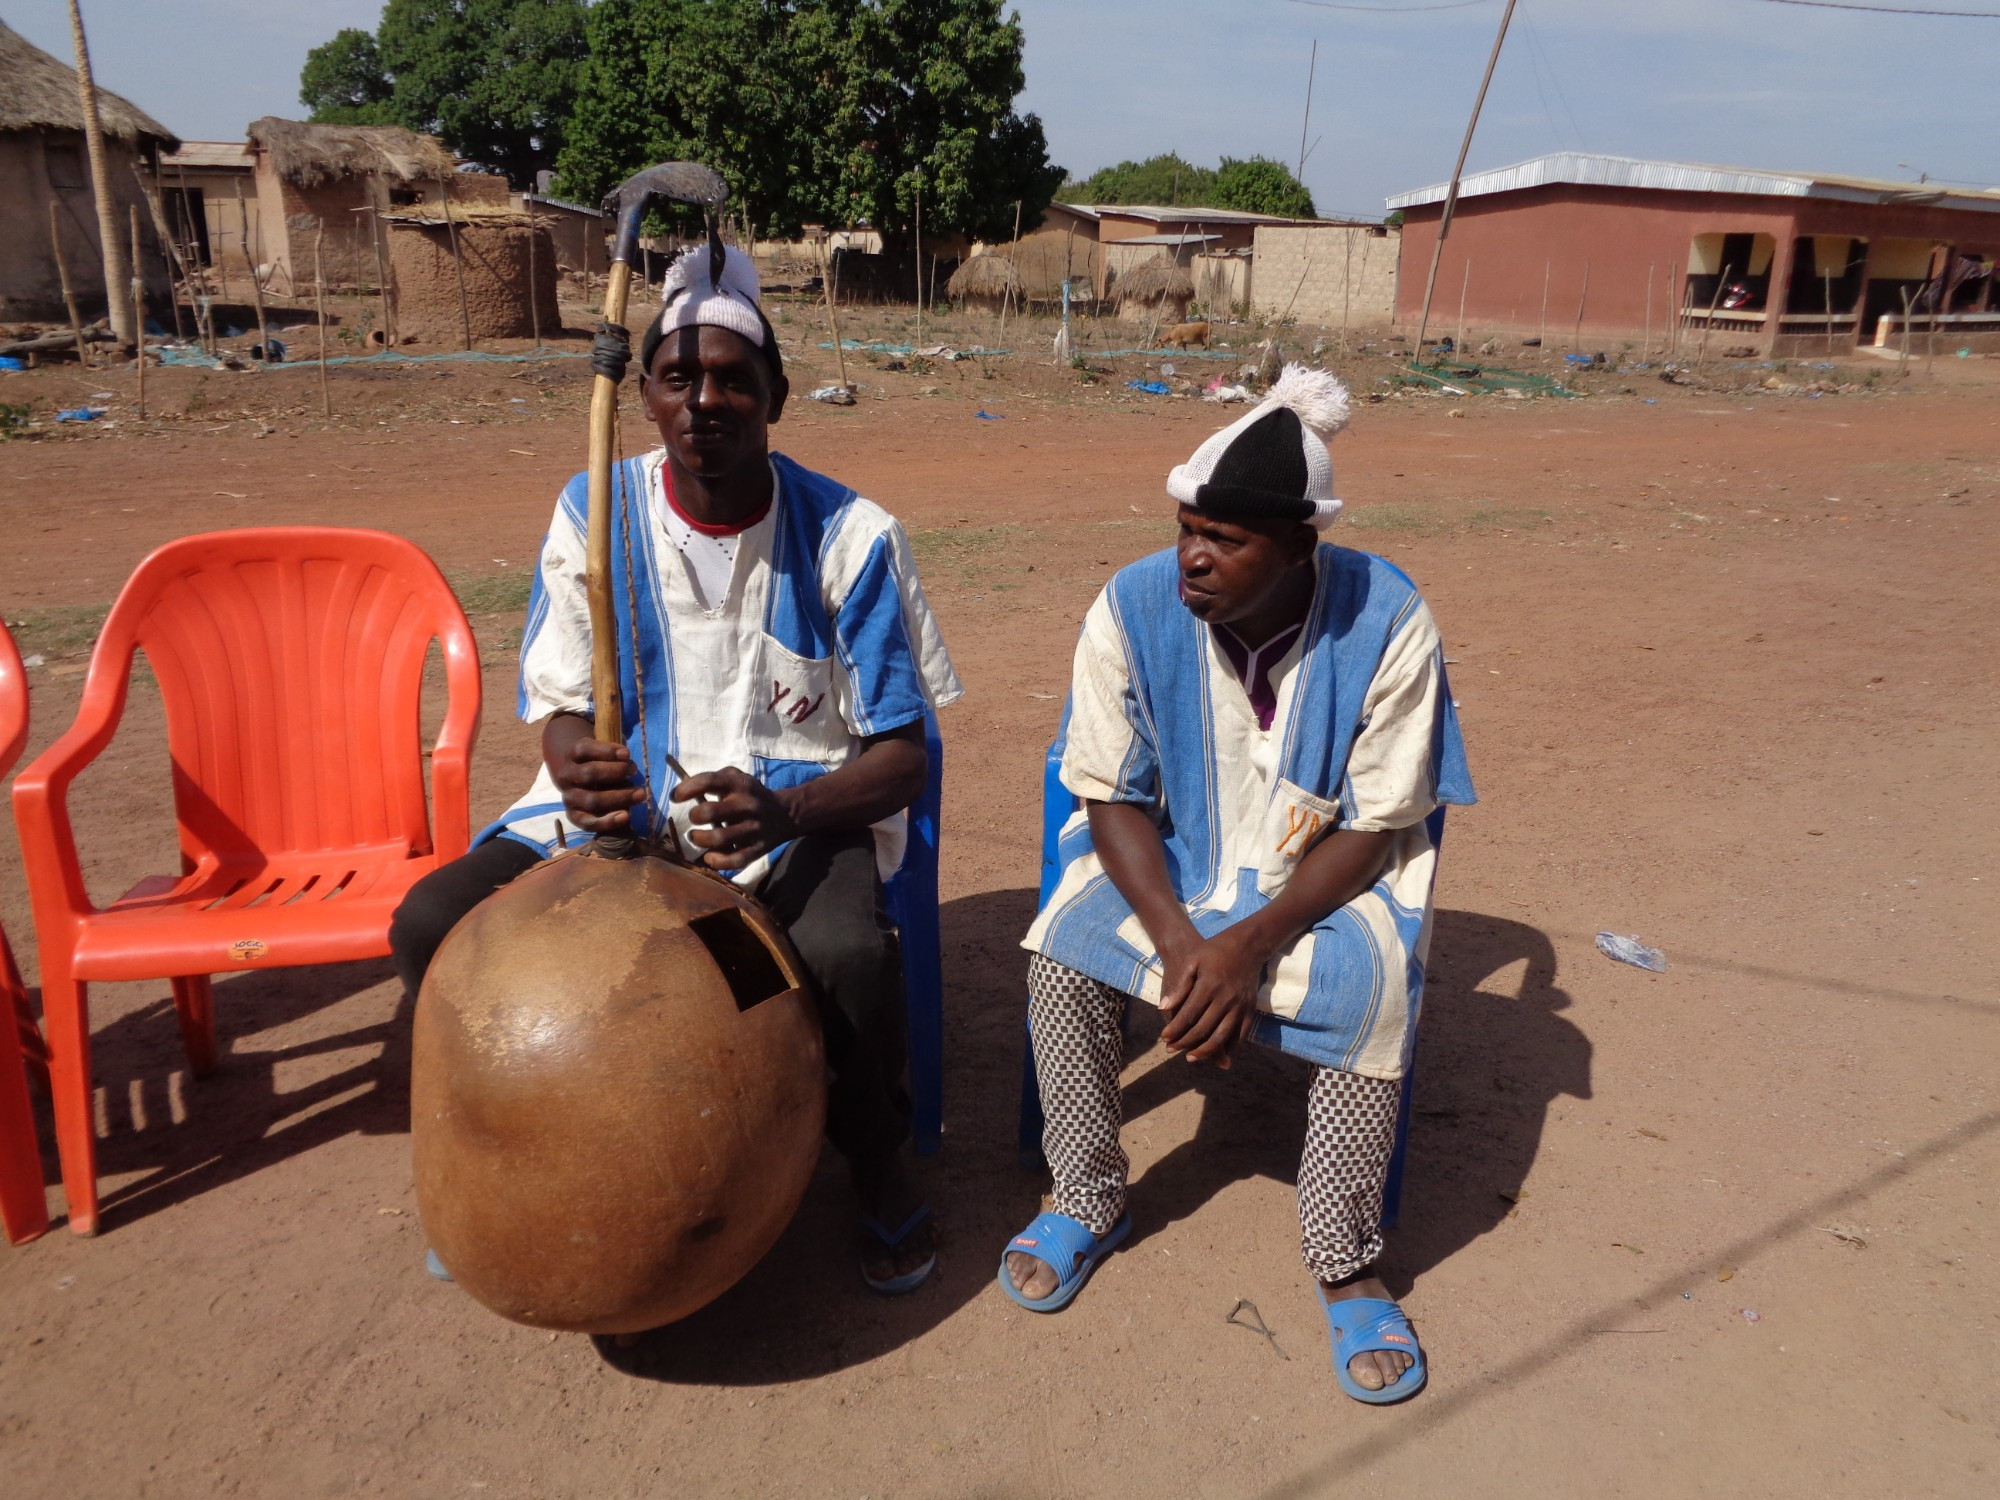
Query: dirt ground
{"x": 1725, "y": 662}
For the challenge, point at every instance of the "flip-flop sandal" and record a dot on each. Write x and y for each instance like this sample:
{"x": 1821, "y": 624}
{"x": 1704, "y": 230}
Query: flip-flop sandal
{"x": 1056, "y": 1240}
{"x": 909, "y": 1281}
{"x": 1366, "y": 1325}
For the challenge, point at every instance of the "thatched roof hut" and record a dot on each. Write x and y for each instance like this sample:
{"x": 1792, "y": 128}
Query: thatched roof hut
{"x": 990, "y": 281}
{"x": 308, "y": 155}
{"x": 38, "y": 92}
{"x": 43, "y": 161}
{"x": 1156, "y": 280}
{"x": 1154, "y": 291}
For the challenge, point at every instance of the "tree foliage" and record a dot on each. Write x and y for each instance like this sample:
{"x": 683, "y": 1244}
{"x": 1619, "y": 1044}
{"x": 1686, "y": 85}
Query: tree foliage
{"x": 494, "y": 79}
{"x": 1258, "y": 185}
{"x": 835, "y": 111}
{"x": 344, "y": 83}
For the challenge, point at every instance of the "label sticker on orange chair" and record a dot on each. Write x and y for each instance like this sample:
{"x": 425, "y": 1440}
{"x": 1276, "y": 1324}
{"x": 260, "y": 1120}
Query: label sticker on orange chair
{"x": 244, "y": 949}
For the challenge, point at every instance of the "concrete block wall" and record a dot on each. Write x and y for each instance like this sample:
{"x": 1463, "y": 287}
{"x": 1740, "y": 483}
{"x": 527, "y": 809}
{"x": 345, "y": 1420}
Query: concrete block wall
{"x": 1329, "y": 275}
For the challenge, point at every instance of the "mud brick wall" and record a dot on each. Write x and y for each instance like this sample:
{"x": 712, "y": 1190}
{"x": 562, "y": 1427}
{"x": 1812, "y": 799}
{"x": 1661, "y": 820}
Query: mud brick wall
{"x": 1325, "y": 274}
{"x": 496, "y": 281}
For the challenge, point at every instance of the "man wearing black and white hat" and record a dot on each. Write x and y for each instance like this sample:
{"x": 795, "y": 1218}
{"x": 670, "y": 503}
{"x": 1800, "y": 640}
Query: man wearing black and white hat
{"x": 778, "y": 644}
{"x": 1260, "y": 737}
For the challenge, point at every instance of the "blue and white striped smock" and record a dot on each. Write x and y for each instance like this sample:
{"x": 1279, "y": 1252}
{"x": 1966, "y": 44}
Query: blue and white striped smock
{"x": 825, "y": 638}
{"x": 1364, "y": 737}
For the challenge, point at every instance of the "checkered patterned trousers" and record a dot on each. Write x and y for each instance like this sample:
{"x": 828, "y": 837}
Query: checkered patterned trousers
{"x": 1079, "y": 1053}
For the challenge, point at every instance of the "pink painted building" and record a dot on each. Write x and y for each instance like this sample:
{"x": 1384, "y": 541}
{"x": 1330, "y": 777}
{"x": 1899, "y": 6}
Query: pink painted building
{"x": 1602, "y": 248}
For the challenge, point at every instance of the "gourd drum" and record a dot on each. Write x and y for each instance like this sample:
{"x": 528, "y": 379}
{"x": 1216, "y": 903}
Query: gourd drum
{"x": 617, "y": 1095}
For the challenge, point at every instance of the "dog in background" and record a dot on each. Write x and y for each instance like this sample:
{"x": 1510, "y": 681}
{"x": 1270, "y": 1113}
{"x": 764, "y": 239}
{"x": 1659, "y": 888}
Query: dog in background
{"x": 1181, "y": 335}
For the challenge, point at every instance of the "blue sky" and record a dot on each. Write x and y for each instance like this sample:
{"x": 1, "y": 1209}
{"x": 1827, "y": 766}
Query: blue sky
{"x": 1741, "y": 82}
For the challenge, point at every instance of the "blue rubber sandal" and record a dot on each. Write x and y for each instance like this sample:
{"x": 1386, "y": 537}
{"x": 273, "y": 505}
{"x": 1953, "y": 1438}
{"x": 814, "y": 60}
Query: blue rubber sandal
{"x": 909, "y": 1281}
{"x": 1056, "y": 1240}
{"x": 1365, "y": 1325}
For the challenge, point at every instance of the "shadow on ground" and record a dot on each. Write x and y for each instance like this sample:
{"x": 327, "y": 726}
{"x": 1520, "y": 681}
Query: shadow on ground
{"x": 1489, "y": 1065}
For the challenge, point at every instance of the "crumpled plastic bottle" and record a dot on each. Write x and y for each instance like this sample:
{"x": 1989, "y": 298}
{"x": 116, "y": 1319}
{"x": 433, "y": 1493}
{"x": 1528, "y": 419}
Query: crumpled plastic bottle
{"x": 1629, "y": 950}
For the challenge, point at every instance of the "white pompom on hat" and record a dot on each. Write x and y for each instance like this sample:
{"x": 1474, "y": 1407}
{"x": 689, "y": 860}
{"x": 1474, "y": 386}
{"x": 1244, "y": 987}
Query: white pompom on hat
{"x": 1271, "y": 464}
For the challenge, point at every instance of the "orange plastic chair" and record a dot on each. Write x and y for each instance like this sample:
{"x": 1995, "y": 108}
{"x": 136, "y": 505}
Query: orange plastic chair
{"x": 24, "y": 1203}
{"x": 290, "y": 663}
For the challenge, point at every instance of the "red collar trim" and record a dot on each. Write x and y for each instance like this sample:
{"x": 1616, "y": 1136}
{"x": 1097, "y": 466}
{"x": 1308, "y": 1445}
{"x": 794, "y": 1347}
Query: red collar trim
{"x": 703, "y": 528}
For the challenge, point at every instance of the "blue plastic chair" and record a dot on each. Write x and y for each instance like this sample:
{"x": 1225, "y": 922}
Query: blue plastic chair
{"x": 1058, "y": 805}
{"x": 912, "y": 898}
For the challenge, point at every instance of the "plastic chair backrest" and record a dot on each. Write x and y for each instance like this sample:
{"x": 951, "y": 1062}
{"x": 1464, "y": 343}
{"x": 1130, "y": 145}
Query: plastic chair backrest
{"x": 13, "y": 702}
{"x": 290, "y": 663}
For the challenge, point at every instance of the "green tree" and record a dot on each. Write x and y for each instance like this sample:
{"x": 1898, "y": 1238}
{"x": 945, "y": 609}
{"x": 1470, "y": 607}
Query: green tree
{"x": 1261, "y": 186}
{"x": 1258, "y": 185}
{"x": 835, "y": 111}
{"x": 344, "y": 83}
{"x": 1167, "y": 179}
{"x": 494, "y": 79}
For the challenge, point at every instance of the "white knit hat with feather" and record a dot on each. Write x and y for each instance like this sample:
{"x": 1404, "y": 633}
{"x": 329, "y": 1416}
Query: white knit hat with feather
{"x": 1271, "y": 464}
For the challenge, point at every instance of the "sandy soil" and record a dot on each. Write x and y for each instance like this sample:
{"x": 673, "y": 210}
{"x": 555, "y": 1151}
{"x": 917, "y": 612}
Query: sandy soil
{"x": 1725, "y": 663}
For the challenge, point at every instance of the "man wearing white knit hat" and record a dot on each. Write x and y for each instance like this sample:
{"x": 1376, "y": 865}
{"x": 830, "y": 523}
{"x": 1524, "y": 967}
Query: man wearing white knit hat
{"x": 1259, "y": 735}
{"x": 776, "y": 642}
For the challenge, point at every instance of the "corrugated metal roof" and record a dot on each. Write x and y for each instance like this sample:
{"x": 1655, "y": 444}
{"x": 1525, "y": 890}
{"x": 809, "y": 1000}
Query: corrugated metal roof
{"x": 1167, "y": 239}
{"x": 1155, "y": 213}
{"x": 1587, "y": 170}
{"x": 234, "y": 155}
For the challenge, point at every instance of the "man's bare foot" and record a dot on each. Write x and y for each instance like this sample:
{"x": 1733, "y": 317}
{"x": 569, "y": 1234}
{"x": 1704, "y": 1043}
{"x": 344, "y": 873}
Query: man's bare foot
{"x": 1374, "y": 1369}
{"x": 1032, "y": 1278}
{"x": 890, "y": 1197}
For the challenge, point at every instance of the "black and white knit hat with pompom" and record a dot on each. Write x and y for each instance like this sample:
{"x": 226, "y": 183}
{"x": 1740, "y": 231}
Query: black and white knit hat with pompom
{"x": 733, "y": 301}
{"x": 1271, "y": 464}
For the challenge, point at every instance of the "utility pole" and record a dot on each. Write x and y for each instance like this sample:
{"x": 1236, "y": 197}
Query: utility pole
{"x": 1312, "y": 68}
{"x": 1451, "y": 193}
{"x": 115, "y": 272}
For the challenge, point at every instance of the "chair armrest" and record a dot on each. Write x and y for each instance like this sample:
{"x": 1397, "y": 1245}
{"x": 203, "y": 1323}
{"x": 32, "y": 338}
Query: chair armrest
{"x": 41, "y": 795}
{"x": 451, "y": 757}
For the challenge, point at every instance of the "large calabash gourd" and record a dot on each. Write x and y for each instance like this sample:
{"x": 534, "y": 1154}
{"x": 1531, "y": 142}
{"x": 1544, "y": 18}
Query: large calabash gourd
{"x": 617, "y": 1096}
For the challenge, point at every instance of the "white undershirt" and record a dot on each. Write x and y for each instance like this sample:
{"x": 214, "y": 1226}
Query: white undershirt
{"x": 711, "y": 560}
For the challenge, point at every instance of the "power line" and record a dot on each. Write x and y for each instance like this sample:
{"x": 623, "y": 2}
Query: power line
{"x": 1889, "y": 10}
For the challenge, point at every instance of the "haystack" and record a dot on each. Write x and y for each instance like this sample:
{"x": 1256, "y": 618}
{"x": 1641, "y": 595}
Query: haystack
{"x": 1156, "y": 289}
{"x": 500, "y": 275}
{"x": 990, "y": 282}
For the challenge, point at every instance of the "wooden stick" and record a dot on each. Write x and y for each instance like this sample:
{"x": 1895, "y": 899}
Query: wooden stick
{"x": 458, "y": 264}
{"x": 832, "y": 323}
{"x": 69, "y": 298}
{"x": 1464, "y": 286}
{"x": 534, "y": 286}
{"x": 1576, "y": 334}
{"x": 1903, "y": 364}
{"x": 115, "y": 269}
{"x": 1646, "y": 344}
{"x": 319, "y": 301}
{"x": 1542, "y": 336}
{"x": 609, "y": 709}
{"x": 381, "y": 277}
{"x": 1013, "y": 259}
{"x": 1680, "y": 312}
{"x": 256, "y": 280}
{"x": 917, "y": 255}
{"x": 138, "y": 311}
{"x": 1457, "y": 172}
{"x": 1827, "y": 277}
{"x": 1708, "y": 326}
